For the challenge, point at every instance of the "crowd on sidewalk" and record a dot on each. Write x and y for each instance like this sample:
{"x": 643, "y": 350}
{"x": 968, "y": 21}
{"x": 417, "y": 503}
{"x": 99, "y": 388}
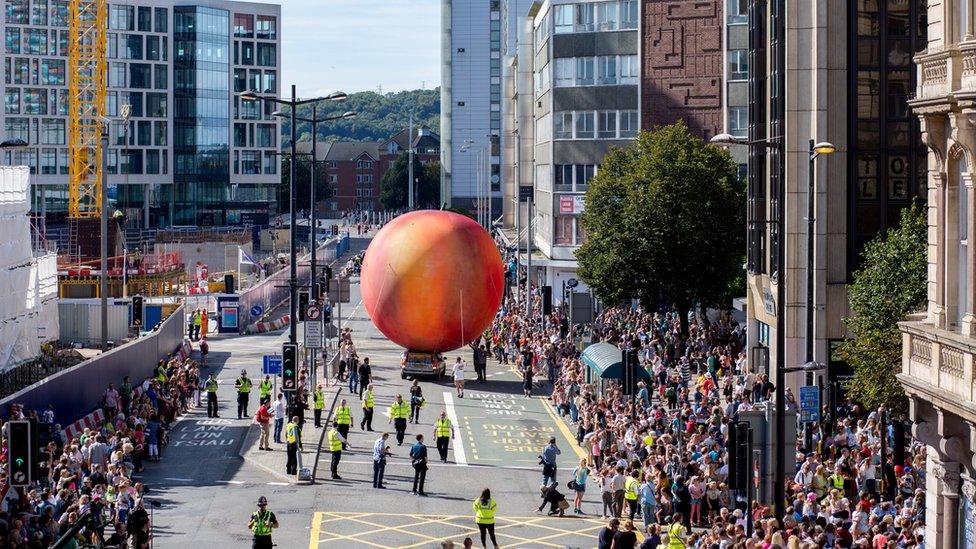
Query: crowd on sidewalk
{"x": 86, "y": 483}
{"x": 665, "y": 463}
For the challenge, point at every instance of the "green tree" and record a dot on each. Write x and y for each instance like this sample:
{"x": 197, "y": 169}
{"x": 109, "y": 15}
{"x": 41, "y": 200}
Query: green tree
{"x": 664, "y": 220}
{"x": 890, "y": 284}
{"x": 393, "y": 186}
{"x": 302, "y": 172}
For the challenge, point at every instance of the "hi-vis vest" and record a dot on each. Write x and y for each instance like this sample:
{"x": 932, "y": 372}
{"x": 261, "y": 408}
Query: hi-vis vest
{"x": 262, "y": 523}
{"x": 343, "y": 416}
{"x": 368, "y": 400}
{"x": 837, "y": 481}
{"x": 484, "y": 514}
{"x": 244, "y": 385}
{"x": 399, "y": 410}
{"x": 631, "y": 487}
{"x": 442, "y": 428}
{"x": 675, "y": 533}
{"x": 291, "y": 432}
{"x": 211, "y": 385}
{"x": 319, "y": 400}
{"x": 265, "y": 388}
{"x": 335, "y": 445}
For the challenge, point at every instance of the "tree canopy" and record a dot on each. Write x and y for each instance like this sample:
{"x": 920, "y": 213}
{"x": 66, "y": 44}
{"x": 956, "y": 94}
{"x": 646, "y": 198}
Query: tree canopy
{"x": 890, "y": 284}
{"x": 664, "y": 221}
{"x": 393, "y": 186}
{"x": 323, "y": 190}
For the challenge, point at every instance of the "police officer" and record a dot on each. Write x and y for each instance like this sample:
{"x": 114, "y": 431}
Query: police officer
{"x": 442, "y": 434}
{"x": 265, "y": 390}
{"x": 292, "y": 434}
{"x": 336, "y": 443}
{"x": 343, "y": 419}
{"x": 399, "y": 411}
{"x": 319, "y": 397}
{"x": 368, "y": 405}
{"x": 211, "y": 388}
{"x": 243, "y": 386}
{"x": 261, "y": 524}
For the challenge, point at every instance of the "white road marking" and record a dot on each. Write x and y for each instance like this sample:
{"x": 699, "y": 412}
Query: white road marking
{"x": 352, "y": 314}
{"x": 178, "y": 479}
{"x": 279, "y": 484}
{"x": 231, "y": 481}
{"x": 457, "y": 441}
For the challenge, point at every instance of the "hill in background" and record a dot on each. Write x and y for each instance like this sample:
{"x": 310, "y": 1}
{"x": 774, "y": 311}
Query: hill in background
{"x": 378, "y": 116}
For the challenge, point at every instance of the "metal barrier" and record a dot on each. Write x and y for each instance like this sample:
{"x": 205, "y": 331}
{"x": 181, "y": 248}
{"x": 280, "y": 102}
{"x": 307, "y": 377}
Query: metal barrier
{"x": 73, "y": 391}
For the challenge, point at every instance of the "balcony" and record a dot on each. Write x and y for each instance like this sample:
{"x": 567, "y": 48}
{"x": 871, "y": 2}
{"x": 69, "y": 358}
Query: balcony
{"x": 939, "y": 365}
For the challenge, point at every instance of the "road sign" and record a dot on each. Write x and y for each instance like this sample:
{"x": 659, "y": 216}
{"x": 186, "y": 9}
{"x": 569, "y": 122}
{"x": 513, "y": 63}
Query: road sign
{"x": 809, "y": 404}
{"x": 313, "y": 333}
{"x": 272, "y": 365}
{"x": 257, "y": 311}
{"x": 313, "y": 312}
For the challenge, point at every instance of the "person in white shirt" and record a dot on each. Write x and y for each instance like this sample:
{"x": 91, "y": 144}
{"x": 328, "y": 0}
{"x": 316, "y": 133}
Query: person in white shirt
{"x": 380, "y": 451}
{"x": 458, "y": 372}
{"x": 278, "y": 412}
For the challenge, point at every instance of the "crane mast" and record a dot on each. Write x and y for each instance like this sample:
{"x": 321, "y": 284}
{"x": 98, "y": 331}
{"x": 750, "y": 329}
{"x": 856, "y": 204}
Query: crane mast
{"x": 87, "y": 79}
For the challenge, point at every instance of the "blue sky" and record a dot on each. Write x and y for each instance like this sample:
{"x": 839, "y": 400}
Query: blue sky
{"x": 356, "y": 45}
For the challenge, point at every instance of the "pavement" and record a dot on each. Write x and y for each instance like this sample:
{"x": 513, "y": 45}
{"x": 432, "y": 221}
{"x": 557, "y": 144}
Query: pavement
{"x": 214, "y": 475}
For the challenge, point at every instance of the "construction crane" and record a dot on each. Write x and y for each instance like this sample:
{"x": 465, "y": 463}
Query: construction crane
{"x": 87, "y": 75}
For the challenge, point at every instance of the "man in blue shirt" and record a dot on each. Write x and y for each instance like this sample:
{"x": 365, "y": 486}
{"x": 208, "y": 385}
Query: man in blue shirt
{"x": 418, "y": 457}
{"x": 380, "y": 451}
{"x": 549, "y": 454}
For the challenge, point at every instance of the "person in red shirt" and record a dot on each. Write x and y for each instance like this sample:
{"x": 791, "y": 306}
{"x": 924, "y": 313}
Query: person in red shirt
{"x": 263, "y": 418}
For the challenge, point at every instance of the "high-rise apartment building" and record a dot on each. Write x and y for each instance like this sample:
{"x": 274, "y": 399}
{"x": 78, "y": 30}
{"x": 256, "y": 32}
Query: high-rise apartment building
{"x": 810, "y": 72}
{"x": 197, "y": 152}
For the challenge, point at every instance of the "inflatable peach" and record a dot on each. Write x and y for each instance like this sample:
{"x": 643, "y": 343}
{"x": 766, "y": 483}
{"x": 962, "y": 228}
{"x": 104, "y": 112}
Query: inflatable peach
{"x": 432, "y": 280}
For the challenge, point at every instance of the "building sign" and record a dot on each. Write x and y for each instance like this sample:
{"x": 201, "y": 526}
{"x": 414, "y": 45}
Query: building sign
{"x": 572, "y": 204}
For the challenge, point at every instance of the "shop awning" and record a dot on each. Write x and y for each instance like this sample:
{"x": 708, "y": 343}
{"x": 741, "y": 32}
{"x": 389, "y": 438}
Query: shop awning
{"x": 606, "y": 361}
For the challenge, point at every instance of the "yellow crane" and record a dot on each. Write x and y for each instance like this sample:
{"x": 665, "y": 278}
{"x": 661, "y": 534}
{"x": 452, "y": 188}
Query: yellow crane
{"x": 87, "y": 79}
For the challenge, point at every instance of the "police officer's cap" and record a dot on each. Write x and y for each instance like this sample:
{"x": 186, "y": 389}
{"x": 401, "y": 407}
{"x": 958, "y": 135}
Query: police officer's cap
{"x": 262, "y": 501}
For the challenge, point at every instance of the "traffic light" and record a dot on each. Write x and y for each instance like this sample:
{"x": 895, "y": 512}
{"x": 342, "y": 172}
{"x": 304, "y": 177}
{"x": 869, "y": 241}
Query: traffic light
{"x": 302, "y": 304}
{"x": 19, "y": 453}
{"x": 328, "y": 276}
{"x": 547, "y": 300}
{"x": 137, "y": 311}
{"x": 289, "y": 367}
{"x": 317, "y": 291}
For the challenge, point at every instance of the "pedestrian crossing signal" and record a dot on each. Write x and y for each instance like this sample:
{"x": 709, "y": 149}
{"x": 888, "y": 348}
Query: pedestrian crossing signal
{"x": 289, "y": 367}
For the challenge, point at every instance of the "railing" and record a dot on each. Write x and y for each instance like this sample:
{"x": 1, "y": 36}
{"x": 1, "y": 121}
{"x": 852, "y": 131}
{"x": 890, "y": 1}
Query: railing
{"x": 23, "y": 375}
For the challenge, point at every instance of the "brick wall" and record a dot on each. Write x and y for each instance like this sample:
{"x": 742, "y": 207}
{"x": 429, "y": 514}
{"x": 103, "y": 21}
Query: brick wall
{"x": 682, "y": 64}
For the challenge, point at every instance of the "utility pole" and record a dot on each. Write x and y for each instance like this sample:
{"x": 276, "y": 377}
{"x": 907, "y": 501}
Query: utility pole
{"x": 293, "y": 252}
{"x": 528, "y": 259}
{"x": 103, "y": 279}
{"x": 311, "y": 233}
{"x": 410, "y": 163}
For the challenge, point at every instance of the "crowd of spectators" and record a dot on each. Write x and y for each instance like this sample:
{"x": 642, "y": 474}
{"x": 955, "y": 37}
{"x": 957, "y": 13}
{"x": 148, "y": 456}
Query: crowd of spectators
{"x": 86, "y": 487}
{"x": 667, "y": 461}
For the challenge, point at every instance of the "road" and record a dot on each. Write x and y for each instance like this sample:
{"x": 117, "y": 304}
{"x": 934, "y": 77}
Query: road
{"x": 207, "y": 491}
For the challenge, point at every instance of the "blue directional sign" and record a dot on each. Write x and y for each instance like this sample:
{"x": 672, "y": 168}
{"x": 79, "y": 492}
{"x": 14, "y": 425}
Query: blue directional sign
{"x": 257, "y": 310}
{"x": 809, "y": 404}
{"x": 272, "y": 365}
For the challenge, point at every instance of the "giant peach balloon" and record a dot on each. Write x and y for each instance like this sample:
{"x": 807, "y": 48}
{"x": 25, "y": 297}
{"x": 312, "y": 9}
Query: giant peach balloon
{"x": 432, "y": 280}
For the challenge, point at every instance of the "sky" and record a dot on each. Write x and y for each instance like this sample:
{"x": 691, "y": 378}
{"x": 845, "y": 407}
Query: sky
{"x": 358, "y": 45}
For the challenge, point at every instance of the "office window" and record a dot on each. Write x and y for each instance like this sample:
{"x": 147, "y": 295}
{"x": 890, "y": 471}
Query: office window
{"x": 133, "y": 46}
{"x": 584, "y": 125}
{"x": 17, "y": 128}
{"x": 606, "y": 72}
{"x": 563, "y": 20}
{"x": 266, "y": 55}
{"x": 11, "y": 101}
{"x": 565, "y": 73}
{"x": 135, "y": 102}
{"x": 563, "y": 125}
{"x": 53, "y": 72}
{"x": 584, "y": 173}
{"x": 628, "y": 14}
{"x": 112, "y": 45}
{"x": 240, "y": 80}
{"x": 38, "y": 12}
{"x": 270, "y": 82}
{"x": 250, "y": 162}
{"x": 139, "y": 75}
{"x": 563, "y": 230}
{"x": 152, "y": 161}
{"x": 247, "y": 53}
{"x": 270, "y": 163}
{"x": 152, "y": 48}
{"x": 161, "y": 16}
{"x": 608, "y": 124}
{"x": 240, "y": 135}
{"x": 243, "y": 25}
{"x": 58, "y": 13}
{"x": 21, "y": 71}
{"x": 255, "y": 81}
{"x": 584, "y": 18}
{"x": 11, "y": 39}
{"x": 159, "y": 133}
{"x": 156, "y": 105}
{"x": 584, "y": 71}
{"x": 738, "y": 11}
{"x": 266, "y": 135}
{"x": 161, "y": 76}
{"x": 144, "y": 19}
{"x": 16, "y": 12}
{"x": 49, "y": 161}
{"x": 35, "y": 101}
{"x": 629, "y": 67}
{"x": 143, "y": 133}
{"x": 121, "y": 17}
{"x": 563, "y": 177}
{"x": 267, "y": 27}
{"x": 606, "y": 16}
{"x": 629, "y": 124}
{"x": 739, "y": 121}
{"x": 35, "y": 42}
{"x": 738, "y": 64}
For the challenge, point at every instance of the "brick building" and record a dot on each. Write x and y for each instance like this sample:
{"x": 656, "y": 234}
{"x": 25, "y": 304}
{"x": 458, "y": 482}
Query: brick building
{"x": 355, "y": 168}
{"x": 681, "y": 54}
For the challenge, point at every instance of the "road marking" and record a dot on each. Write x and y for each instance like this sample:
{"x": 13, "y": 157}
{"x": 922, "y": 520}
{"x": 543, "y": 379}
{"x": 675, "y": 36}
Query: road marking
{"x": 178, "y": 479}
{"x": 352, "y": 314}
{"x": 279, "y": 484}
{"x": 563, "y": 429}
{"x": 231, "y": 481}
{"x": 456, "y": 441}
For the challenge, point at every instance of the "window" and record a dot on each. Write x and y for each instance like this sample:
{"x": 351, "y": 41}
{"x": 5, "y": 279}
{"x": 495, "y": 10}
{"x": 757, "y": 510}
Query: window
{"x": 563, "y": 125}
{"x": 584, "y": 71}
{"x": 159, "y": 133}
{"x": 584, "y": 125}
{"x": 565, "y": 73}
{"x": 250, "y": 162}
{"x": 563, "y": 177}
{"x": 17, "y": 12}
{"x": 53, "y": 72}
{"x": 628, "y": 14}
{"x": 739, "y": 121}
{"x": 564, "y": 230}
{"x": 36, "y": 42}
{"x": 38, "y": 12}
{"x": 247, "y": 53}
{"x": 139, "y": 75}
{"x": 49, "y": 161}
{"x": 267, "y": 27}
{"x": 629, "y": 124}
{"x": 143, "y": 133}
{"x": 12, "y": 39}
{"x": 584, "y": 173}
{"x": 161, "y": 22}
{"x": 270, "y": 82}
{"x": 606, "y": 16}
{"x": 738, "y": 11}
{"x": 584, "y": 18}
{"x": 364, "y": 165}
{"x": 152, "y": 161}
{"x": 270, "y": 163}
{"x": 606, "y": 72}
{"x": 133, "y": 46}
{"x": 266, "y": 55}
{"x": 11, "y": 101}
{"x": 608, "y": 124}
{"x": 629, "y": 68}
{"x": 161, "y": 76}
{"x": 240, "y": 135}
{"x": 738, "y": 64}
{"x": 243, "y": 25}
{"x": 255, "y": 81}
{"x": 144, "y": 19}
{"x": 35, "y": 101}
{"x": 156, "y": 105}
{"x": 121, "y": 17}
{"x": 17, "y": 128}
{"x": 59, "y": 13}
{"x": 152, "y": 48}
{"x": 266, "y": 135}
